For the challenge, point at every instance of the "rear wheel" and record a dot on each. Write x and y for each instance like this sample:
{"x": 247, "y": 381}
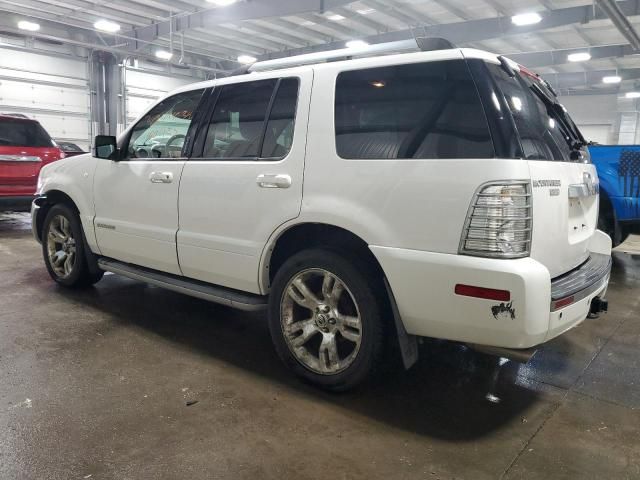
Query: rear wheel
{"x": 325, "y": 319}
{"x": 63, "y": 248}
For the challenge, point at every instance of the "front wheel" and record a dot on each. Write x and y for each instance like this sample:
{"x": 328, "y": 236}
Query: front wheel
{"x": 63, "y": 248}
{"x": 325, "y": 319}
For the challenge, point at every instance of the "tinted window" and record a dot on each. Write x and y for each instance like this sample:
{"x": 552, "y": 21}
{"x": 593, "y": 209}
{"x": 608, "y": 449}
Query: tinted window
{"x": 425, "y": 110}
{"x": 235, "y": 130}
{"x": 161, "y": 133}
{"x": 279, "y": 132}
{"x": 539, "y": 131}
{"x": 18, "y": 133}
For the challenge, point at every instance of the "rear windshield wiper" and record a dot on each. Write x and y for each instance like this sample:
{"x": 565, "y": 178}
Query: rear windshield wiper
{"x": 556, "y": 111}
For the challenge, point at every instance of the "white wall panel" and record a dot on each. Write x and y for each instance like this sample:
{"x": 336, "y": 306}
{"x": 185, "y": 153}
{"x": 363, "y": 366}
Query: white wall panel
{"x": 597, "y": 116}
{"x": 52, "y": 90}
{"x": 143, "y": 89}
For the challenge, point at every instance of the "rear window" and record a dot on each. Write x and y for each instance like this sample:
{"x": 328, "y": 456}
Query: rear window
{"x": 422, "y": 111}
{"x": 538, "y": 128}
{"x": 18, "y": 133}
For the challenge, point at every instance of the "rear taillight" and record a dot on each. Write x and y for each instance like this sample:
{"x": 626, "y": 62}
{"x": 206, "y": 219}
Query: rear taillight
{"x": 499, "y": 221}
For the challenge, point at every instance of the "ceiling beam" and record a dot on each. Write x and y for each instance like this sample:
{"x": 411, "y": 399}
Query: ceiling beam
{"x": 565, "y": 81}
{"x": 473, "y": 31}
{"x": 252, "y": 10}
{"x": 621, "y": 22}
{"x": 559, "y": 57}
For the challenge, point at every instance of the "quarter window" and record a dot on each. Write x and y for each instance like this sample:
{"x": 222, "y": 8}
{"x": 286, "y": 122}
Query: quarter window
{"x": 162, "y": 132}
{"x": 423, "y": 110}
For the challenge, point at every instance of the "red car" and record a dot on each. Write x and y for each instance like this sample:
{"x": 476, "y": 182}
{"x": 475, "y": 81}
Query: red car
{"x": 25, "y": 147}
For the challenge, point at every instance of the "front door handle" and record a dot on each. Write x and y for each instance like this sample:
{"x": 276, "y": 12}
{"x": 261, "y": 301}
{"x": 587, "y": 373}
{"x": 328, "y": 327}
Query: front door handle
{"x": 161, "y": 177}
{"x": 274, "y": 181}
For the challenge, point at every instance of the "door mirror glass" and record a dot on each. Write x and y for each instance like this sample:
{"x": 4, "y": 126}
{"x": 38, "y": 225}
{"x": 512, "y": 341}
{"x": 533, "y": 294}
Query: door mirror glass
{"x": 105, "y": 146}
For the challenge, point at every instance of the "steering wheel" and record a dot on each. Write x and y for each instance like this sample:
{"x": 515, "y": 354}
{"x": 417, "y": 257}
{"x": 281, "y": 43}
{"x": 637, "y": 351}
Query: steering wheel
{"x": 171, "y": 140}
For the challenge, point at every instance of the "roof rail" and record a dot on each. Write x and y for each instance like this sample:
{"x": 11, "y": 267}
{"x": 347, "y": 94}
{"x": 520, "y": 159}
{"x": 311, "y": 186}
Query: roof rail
{"x": 15, "y": 115}
{"x": 419, "y": 43}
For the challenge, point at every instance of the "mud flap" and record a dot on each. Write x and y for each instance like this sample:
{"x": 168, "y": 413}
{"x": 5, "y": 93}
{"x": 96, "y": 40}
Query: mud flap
{"x": 408, "y": 343}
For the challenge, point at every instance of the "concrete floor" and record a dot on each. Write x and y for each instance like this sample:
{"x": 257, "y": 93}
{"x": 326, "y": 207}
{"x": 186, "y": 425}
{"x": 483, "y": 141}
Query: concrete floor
{"x": 95, "y": 384}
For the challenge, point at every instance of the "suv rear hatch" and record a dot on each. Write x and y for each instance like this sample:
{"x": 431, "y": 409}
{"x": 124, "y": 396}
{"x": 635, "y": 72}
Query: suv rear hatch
{"x": 25, "y": 147}
{"x": 564, "y": 182}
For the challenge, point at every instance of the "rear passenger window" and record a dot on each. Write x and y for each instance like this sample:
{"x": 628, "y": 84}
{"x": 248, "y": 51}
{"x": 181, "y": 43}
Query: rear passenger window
{"x": 238, "y": 119}
{"x": 423, "y": 110}
{"x": 278, "y": 136}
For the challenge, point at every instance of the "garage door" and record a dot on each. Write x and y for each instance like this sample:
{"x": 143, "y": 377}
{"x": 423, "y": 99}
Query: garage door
{"x": 52, "y": 90}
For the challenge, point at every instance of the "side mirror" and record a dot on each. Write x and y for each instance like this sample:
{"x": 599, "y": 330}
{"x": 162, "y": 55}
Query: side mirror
{"x": 105, "y": 146}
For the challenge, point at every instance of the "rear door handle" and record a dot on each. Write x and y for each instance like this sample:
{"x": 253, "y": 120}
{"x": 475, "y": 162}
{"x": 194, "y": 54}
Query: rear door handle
{"x": 274, "y": 181}
{"x": 161, "y": 177}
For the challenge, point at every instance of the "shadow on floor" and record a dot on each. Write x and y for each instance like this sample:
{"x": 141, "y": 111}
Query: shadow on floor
{"x": 452, "y": 393}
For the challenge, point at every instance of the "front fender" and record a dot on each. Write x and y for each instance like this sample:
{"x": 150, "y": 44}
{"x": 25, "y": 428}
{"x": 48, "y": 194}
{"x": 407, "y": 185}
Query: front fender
{"x": 73, "y": 177}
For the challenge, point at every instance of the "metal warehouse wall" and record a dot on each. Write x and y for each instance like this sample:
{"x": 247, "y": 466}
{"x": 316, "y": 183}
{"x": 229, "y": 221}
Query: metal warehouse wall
{"x": 143, "y": 88}
{"x": 52, "y": 90}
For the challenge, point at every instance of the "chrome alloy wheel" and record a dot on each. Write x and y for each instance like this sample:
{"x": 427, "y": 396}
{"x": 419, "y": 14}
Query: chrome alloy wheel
{"x": 61, "y": 246}
{"x": 321, "y": 321}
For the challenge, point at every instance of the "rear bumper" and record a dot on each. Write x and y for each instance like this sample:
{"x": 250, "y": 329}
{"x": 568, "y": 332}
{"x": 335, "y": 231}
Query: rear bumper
{"x": 581, "y": 282}
{"x": 18, "y": 203}
{"x": 423, "y": 284}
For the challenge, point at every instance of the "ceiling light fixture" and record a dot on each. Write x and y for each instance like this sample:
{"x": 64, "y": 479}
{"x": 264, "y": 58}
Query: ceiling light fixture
{"x": 222, "y": 3}
{"x": 378, "y": 84}
{"x": 356, "y": 44}
{"x": 247, "y": 59}
{"x": 30, "y": 26}
{"x": 163, "y": 55}
{"x": 366, "y": 11}
{"x": 106, "y": 26}
{"x": 579, "y": 57}
{"x": 334, "y": 17}
{"x": 612, "y": 79}
{"x": 526, "y": 19}
{"x": 632, "y": 95}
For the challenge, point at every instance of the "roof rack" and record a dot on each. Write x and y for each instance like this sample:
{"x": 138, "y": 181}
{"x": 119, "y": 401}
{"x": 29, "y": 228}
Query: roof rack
{"x": 14, "y": 115}
{"x": 424, "y": 44}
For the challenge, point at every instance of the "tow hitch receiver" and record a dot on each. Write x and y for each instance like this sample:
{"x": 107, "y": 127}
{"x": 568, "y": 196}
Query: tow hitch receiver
{"x": 598, "y": 305}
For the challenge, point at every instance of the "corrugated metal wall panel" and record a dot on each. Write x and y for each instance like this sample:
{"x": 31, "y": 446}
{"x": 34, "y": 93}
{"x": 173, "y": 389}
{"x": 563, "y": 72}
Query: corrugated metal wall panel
{"x": 52, "y": 90}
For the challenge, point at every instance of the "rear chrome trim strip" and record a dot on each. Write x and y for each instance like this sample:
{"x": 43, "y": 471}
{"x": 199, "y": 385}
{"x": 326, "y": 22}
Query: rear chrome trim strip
{"x": 581, "y": 282}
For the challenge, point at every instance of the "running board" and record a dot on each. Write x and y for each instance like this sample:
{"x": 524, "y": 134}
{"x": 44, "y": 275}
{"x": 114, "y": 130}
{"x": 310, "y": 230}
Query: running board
{"x": 195, "y": 288}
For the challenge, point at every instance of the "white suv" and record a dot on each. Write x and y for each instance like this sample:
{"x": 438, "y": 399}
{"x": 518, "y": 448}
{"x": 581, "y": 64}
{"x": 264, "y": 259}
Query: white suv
{"x": 363, "y": 202}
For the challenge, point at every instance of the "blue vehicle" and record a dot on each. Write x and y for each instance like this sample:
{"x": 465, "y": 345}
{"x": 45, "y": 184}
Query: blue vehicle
{"x": 619, "y": 172}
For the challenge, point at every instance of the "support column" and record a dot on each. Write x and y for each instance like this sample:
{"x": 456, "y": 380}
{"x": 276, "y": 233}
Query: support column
{"x": 104, "y": 83}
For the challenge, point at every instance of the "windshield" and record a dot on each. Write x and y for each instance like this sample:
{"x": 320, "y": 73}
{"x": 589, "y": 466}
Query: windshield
{"x": 545, "y": 128}
{"x": 18, "y": 133}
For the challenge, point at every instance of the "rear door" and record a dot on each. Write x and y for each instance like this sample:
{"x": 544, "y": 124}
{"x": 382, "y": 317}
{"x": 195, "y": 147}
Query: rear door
{"x": 564, "y": 182}
{"x": 247, "y": 181}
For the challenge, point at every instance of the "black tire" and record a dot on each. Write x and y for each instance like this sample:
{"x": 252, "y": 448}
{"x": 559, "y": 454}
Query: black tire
{"x": 363, "y": 290}
{"x": 79, "y": 275}
{"x": 608, "y": 223}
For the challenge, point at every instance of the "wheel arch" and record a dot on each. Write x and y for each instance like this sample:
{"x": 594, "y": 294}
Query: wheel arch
{"x": 304, "y": 235}
{"x": 51, "y": 198}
